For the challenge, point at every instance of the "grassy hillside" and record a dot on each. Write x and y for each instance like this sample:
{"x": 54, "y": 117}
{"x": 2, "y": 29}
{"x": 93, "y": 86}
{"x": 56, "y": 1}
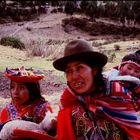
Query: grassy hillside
{"x": 11, "y": 57}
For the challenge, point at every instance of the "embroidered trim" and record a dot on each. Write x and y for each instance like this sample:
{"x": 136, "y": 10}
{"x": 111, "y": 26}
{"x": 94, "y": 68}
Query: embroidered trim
{"x": 13, "y": 112}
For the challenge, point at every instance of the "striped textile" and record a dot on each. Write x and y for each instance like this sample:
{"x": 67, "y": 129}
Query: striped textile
{"x": 118, "y": 107}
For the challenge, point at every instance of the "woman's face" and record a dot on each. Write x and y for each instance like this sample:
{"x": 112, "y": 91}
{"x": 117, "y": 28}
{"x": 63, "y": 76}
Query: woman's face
{"x": 130, "y": 69}
{"x": 19, "y": 93}
{"x": 80, "y": 77}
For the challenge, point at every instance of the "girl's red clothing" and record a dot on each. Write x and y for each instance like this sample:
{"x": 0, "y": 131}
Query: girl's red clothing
{"x": 34, "y": 112}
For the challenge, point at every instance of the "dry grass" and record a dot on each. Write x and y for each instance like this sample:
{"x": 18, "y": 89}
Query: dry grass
{"x": 15, "y": 58}
{"x": 11, "y": 57}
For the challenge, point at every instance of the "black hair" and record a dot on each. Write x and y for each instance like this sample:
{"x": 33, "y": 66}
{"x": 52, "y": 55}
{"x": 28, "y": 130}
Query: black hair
{"x": 99, "y": 81}
{"x": 34, "y": 90}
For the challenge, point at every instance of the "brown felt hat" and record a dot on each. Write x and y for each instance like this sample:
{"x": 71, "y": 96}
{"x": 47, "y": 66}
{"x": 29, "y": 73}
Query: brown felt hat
{"x": 80, "y": 50}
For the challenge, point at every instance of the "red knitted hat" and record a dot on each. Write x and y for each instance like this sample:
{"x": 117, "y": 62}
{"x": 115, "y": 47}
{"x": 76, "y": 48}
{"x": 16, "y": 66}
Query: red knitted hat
{"x": 24, "y": 75}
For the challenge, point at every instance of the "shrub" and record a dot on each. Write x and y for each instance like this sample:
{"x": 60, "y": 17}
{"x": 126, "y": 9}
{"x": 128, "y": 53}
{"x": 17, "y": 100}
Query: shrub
{"x": 117, "y": 47}
{"x": 38, "y": 51}
{"x": 11, "y": 41}
{"x": 112, "y": 57}
{"x": 36, "y": 48}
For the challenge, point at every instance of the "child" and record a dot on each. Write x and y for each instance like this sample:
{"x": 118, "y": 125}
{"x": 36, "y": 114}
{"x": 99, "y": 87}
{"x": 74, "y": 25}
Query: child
{"x": 126, "y": 77}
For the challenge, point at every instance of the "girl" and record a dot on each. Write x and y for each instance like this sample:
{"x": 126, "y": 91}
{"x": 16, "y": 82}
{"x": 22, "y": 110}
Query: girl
{"x": 27, "y": 103}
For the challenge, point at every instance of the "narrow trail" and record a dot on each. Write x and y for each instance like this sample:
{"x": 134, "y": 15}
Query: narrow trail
{"x": 20, "y": 28}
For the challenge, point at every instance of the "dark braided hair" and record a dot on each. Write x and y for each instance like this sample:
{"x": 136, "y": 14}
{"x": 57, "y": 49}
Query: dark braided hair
{"x": 99, "y": 80}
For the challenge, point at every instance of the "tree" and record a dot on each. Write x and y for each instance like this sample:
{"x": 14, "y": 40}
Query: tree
{"x": 136, "y": 10}
{"x": 109, "y": 9}
{"x": 83, "y": 6}
{"x": 2, "y": 7}
{"x": 91, "y": 9}
{"x": 122, "y": 9}
{"x": 70, "y": 7}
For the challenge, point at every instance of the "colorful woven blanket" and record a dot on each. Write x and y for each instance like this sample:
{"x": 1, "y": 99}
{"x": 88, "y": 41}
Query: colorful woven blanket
{"x": 117, "y": 107}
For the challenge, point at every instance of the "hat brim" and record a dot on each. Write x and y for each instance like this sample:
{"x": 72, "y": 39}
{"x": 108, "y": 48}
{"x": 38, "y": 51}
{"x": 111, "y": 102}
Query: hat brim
{"x": 24, "y": 78}
{"x": 94, "y": 58}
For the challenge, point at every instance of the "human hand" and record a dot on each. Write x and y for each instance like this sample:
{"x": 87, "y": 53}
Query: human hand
{"x": 49, "y": 122}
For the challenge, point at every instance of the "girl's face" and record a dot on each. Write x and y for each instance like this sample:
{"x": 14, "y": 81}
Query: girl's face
{"x": 19, "y": 93}
{"x": 130, "y": 69}
{"x": 80, "y": 77}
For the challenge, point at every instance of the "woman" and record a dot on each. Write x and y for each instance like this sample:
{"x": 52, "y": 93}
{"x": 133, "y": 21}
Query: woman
{"x": 27, "y": 102}
{"x": 88, "y": 111}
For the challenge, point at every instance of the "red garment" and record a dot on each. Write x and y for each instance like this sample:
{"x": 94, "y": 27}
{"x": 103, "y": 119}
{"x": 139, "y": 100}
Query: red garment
{"x": 117, "y": 88}
{"x": 34, "y": 112}
{"x": 33, "y": 134}
{"x": 121, "y": 112}
{"x": 64, "y": 127}
{"x": 130, "y": 88}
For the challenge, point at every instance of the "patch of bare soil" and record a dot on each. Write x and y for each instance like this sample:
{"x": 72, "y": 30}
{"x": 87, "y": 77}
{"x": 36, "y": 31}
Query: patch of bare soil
{"x": 4, "y": 86}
